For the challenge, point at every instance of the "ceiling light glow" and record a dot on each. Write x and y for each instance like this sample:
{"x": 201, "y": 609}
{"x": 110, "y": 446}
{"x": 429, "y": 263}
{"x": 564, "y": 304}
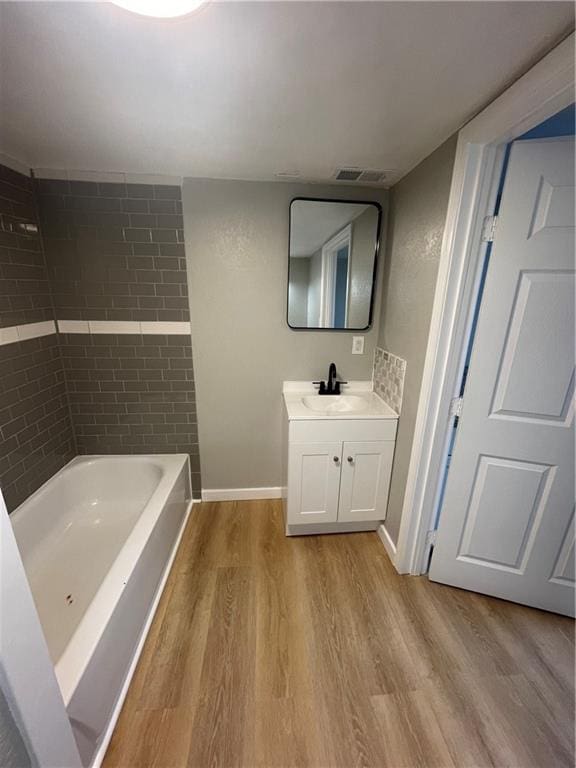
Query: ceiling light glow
{"x": 161, "y": 9}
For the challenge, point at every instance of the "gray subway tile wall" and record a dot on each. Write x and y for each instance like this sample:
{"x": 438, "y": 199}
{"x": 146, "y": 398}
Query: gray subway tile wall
{"x": 103, "y": 252}
{"x": 114, "y": 251}
{"x": 35, "y": 427}
{"x": 24, "y": 288}
{"x": 36, "y": 437}
{"x": 132, "y": 394}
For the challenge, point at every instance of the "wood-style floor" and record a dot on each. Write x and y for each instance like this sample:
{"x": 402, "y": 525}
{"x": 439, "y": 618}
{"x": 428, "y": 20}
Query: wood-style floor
{"x": 312, "y": 651}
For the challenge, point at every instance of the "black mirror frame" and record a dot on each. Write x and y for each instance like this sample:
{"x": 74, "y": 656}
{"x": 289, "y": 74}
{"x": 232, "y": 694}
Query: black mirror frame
{"x": 374, "y": 272}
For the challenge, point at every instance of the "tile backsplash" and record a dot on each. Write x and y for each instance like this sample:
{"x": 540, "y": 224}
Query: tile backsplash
{"x": 389, "y": 372}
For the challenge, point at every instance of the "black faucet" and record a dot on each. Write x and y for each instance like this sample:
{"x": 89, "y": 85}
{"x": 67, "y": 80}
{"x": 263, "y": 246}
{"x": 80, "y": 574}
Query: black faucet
{"x": 332, "y": 385}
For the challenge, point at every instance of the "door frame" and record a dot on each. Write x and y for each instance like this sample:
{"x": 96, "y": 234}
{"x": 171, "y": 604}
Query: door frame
{"x": 543, "y": 91}
{"x": 329, "y": 254}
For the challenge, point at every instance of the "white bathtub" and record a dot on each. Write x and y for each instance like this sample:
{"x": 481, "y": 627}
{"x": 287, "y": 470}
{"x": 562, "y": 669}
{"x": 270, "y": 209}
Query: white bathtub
{"x": 97, "y": 541}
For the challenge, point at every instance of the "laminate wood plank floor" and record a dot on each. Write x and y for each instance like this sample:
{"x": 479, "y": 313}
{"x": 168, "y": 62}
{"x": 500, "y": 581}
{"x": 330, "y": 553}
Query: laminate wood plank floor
{"x": 269, "y": 652}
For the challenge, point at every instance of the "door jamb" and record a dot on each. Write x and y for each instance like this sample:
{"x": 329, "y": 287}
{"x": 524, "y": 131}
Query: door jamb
{"x": 542, "y": 92}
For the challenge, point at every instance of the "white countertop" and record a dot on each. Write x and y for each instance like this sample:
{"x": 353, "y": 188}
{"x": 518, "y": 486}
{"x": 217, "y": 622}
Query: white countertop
{"x": 296, "y": 392}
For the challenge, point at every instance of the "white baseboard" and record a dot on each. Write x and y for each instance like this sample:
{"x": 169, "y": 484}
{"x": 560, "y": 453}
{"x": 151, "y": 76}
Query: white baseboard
{"x": 241, "y": 494}
{"x": 389, "y": 545}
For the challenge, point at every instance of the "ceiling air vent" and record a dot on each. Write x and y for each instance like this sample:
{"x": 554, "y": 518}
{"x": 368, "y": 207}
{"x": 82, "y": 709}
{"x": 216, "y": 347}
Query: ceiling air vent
{"x": 373, "y": 176}
{"x": 359, "y": 174}
{"x": 348, "y": 174}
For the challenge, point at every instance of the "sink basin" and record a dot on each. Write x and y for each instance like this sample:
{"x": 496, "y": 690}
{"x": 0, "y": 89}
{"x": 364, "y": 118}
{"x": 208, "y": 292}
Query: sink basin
{"x": 335, "y": 403}
{"x": 358, "y": 401}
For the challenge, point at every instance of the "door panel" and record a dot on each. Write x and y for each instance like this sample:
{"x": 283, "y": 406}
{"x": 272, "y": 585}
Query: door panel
{"x": 314, "y": 482}
{"x": 564, "y": 570}
{"x": 366, "y": 468}
{"x": 536, "y": 378}
{"x": 554, "y": 207}
{"x": 507, "y": 522}
{"x": 504, "y": 539}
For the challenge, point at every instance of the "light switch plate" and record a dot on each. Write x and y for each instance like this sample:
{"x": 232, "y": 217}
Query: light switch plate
{"x": 357, "y": 345}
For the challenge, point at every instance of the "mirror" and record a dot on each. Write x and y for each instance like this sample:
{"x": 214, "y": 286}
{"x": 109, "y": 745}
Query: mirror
{"x": 332, "y": 263}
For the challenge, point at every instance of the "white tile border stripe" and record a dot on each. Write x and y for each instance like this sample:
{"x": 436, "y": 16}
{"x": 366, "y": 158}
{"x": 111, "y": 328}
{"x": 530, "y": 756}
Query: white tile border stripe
{"x": 24, "y": 332}
{"x": 114, "y": 326}
{"x": 171, "y": 328}
{"x": 9, "y": 335}
{"x": 35, "y": 330}
{"x": 124, "y": 326}
{"x": 73, "y": 326}
{"x": 15, "y": 333}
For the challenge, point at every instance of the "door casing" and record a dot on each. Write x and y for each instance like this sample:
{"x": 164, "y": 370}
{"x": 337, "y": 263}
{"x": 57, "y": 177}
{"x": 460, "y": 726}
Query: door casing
{"x": 508, "y": 502}
{"x": 543, "y": 91}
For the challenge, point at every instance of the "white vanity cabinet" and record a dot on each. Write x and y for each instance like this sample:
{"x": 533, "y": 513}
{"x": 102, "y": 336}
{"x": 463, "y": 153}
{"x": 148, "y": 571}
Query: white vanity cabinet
{"x": 365, "y": 480}
{"x": 337, "y": 472}
{"x": 314, "y": 471}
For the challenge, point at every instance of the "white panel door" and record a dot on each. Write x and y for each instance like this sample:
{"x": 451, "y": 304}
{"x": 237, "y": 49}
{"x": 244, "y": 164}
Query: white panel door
{"x": 314, "y": 482}
{"x": 507, "y": 522}
{"x": 366, "y": 469}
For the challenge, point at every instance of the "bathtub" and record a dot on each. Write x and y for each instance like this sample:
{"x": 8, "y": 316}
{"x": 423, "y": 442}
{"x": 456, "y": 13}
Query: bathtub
{"x": 97, "y": 541}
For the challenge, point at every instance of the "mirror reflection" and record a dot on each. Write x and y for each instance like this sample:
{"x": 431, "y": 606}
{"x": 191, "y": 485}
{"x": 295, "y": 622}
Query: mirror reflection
{"x": 333, "y": 249}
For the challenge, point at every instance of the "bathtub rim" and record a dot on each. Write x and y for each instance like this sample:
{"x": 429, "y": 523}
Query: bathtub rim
{"x": 82, "y": 459}
{"x": 73, "y": 661}
{"x": 72, "y": 664}
{"x": 109, "y": 732}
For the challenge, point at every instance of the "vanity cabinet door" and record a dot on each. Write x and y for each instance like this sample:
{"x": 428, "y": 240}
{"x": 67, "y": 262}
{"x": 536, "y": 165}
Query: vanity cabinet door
{"x": 313, "y": 482}
{"x": 366, "y": 469}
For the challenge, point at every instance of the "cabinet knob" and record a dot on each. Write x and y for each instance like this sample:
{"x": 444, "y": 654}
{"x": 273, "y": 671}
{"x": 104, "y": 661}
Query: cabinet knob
{"x": 350, "y": 460}
{"x": 336, "y": 459}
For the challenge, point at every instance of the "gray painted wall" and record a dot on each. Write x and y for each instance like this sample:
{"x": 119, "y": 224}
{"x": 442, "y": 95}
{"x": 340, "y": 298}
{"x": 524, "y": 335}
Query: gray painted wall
{"x": 237, "y": 250}
{"x": 13, "y": 753}
{"x": 417, "y": 215}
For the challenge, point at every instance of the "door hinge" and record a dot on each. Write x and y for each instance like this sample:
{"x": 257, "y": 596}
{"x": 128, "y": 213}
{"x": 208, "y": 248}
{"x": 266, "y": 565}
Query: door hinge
{"x": 456, "y": 406}
{"x": 489, "y": 229}
{"x": 431, "y": 538}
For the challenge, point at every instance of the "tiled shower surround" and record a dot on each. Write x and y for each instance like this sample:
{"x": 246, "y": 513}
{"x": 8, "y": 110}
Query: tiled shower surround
{"x": 24, "y": 289}
{"x": 36, "y": 436}
{"x": 111, "y": 252}
{"x": 36, "y": 432}
{"x": 114, "y": 251}
{"x": 132, "y": 393}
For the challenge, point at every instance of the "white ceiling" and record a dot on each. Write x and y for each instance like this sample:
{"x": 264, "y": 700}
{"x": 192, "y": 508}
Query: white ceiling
{"x": 246, "y": 90}
{"x": 313, "y": 223}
